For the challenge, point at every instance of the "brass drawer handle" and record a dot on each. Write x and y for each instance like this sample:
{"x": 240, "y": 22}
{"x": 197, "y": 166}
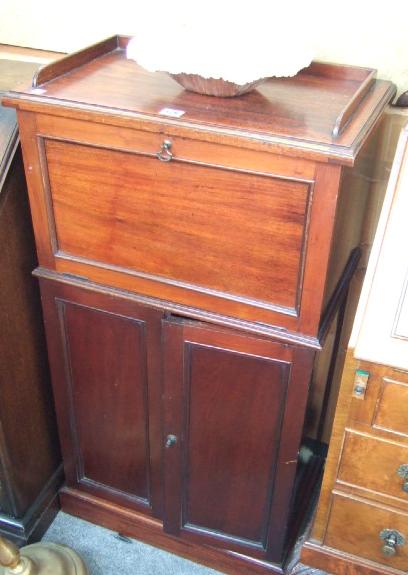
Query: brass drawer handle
{"x": 391, "y": 539}
{"x": 165, "y": 154}
{"x": 403, "y": 472}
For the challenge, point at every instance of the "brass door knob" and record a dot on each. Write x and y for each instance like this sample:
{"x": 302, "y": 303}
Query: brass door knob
{"x": 392, "y": 539}
{"x": 403, "y": 472}
{"x": 170, "y": 440}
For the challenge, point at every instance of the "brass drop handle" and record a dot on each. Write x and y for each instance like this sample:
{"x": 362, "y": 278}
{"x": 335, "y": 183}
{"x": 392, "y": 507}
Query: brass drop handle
{"x": 165, "y": 154}
{"x": 170, "y": 441}
{"x": 403, "y": 472}
{"x": 392, "y": 539}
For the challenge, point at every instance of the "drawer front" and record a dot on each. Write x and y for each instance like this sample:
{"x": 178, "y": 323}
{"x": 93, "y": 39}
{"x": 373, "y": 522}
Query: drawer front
{"x": 375, "y": 464}
{"x": 355, "y": 527}
{"x": 391, "y": 413}
{"x": 385, "y": 400}
{"x": 226, "y": 230}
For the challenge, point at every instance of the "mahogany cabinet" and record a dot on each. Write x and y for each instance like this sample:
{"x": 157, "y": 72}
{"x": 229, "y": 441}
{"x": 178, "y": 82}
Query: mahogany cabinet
{"x": 30, "y": 460}
{"x": 193, "y": 252}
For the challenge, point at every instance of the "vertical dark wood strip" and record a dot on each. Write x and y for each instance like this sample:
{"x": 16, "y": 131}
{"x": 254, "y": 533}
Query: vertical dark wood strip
{"x": 291, "y": 435}
{"x": 269, "y": 518}
{"x": 8, "y": 503}
{"x": 154, "y": 402}
{"x": 303, "y": 250}
{"x": 76, "y": 471}
{"x": 49, "y": 292}
{"x": 38, "y": 203}
{"x": 325, "y": 191}
{"x": 173, "y": 417}
{"x": 52, "y": 227}
{"x": 185, "y": 462}
{"x": 332, "y": 367}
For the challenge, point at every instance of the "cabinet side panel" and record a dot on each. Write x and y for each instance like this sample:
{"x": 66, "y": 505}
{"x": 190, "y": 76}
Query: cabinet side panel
{"x": 233, "y": 428}
{"x": 26, "y": 408}
{"x": 106, "y": 364}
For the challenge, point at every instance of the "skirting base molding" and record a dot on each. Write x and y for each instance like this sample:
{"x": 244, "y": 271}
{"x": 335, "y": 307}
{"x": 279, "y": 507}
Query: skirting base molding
{"x": 31, "y": 527}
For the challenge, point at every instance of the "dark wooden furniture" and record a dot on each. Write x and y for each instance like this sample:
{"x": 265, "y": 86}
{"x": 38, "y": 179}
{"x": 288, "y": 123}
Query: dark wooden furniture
{"x": 185, "y": 265}
{"x": 30, "y": 464}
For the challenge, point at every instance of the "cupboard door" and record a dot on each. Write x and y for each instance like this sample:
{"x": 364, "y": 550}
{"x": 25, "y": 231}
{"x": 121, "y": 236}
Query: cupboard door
{"x": 106, "y": 384}
{"x": 233, "y": 417}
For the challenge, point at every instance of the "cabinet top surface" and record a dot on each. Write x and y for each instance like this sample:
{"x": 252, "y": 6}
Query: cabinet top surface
{"x": 301, "y": 114}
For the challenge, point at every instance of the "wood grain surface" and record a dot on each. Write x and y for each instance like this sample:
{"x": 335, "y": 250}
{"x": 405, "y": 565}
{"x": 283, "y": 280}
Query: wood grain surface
{"x": 217, "y": 230}
{"x": 150, "y": 531}
{"x": 365, "y": 521}
{"x": 30, "y": 462}
{"x": 362, "y": 492}
{"x": 261, "y": 238}
{"x": 234, "y": 226}
{"x": 376, "y": 467}
{"x": 26, "y": 408}
{"x": 390, "y": 413}
{"x": 302, "y": 110}
{"x": 230, "y": 474}
{"x": 107, "y": 388}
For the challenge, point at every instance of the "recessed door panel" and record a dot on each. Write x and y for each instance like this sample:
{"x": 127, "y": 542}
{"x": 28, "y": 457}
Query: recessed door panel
{"x": 107, "y": 387}
{"x": 232, "y": 432}
{"x": 231, "y": 436}
{"x": 107, "y": 363}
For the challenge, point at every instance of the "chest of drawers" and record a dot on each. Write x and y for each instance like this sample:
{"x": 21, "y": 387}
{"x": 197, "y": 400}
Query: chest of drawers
{"x": 361, "y": 521}
{"x": 362, "y": 518}
{"x": 185, "y": 265}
